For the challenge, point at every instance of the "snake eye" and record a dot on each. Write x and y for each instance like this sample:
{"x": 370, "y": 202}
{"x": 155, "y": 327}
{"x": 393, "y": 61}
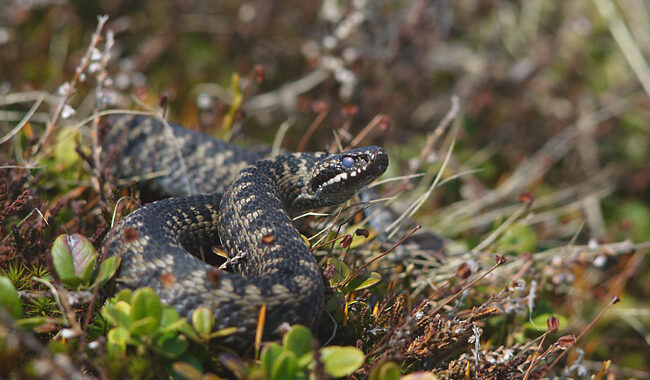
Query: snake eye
{"x": 348, "y": 162}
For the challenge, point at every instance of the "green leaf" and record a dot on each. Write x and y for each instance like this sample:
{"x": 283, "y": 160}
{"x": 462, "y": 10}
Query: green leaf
{"x": 124, "y": 295}
{"x": 222, "y": 332}
{"x": 284, "y": 366}
{"x": 419, "y": 376}
{"x": 170, "y": 321}
{"x": 117, "y": 338}
{"x": 186, "y": 371}
{"x": 171, "y": 345}
{"x": 306, "y": 360}
{"x": 9, "y": 298}
{"x": 31, "y": 323}
{"x": 64, "y": 263}
{"x": 341, "y": 360}
{"x": 269, "y": 356}
{"x": 518, "y": 238}
{"x": 235, "y": 104}
{"x": 83, "y": 255}
{"x": 203, "y": 320}
{"x": 107, "y": 270}
{"x": 341, "y": 271}
{"x": 146, "y": 304}
{"x": 118, "y": 314}
{"x": 299, "y": 340}
{"x": 76, "y": 251}
{"x": 364, "y": 280}
{"x": 67, "y": 140}
{"x": 636, "y": 215}
{"x": 146, "y": 326}
{"x": 175, "y": 326}
{"x": 385, "y": 371}
{"x": 335, "y": 305}
{"x": 539, "y": 323}
{"x": 189, "y": 331}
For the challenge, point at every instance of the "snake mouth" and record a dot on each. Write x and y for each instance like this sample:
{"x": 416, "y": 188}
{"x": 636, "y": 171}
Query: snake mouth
{"x": 341, "y": 175}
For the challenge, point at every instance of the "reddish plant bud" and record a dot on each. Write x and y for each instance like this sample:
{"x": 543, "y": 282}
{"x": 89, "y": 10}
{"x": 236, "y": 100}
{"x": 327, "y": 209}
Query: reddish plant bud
{"x": 552, "y": 324}
{"x": 566, "y": 342}
{"x": 346, "y": 241}
{"x": 350, "y": 109}
{"x": 319, "y": 106}
{"x": 464, "y": 271}
{"x": 384, "y": 123}
{"x": 163, "y": 101}
{"x": 362, "y": 232}
{"x": 260, "y": 74}
{"x": 328, "y": 273}
{"x": 526, "y": 198}
{"x": 625, "y": 225}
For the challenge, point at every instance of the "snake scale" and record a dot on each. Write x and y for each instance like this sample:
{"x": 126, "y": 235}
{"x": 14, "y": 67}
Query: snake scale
{"x": 245, "y": 204}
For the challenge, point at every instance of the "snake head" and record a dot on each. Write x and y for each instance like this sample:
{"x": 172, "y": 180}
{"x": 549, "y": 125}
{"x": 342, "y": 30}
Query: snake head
{"x": 336, "y": 177}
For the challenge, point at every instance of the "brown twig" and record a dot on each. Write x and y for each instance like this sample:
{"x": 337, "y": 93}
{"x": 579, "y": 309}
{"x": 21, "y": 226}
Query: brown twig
{"x": 378, "y": 119}
{"x": 552, "y": 324}
{"x": 356, "y": 272}
{"x": 69, "y": 88}
{"x": 97, "y": 178}
{"x": 312, "y": 127}
{"x": 614, "y": 300}
{"x": 455, "y": 296}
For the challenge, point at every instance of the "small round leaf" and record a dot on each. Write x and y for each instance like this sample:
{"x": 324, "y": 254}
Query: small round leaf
{"x": 107, "y": 270}
{"x": 118, "y": 314}
{"x": 284, "y": 366}
{"x": 386, "y": 371}
{"x": 187, "y": 371}
{"x": 341, "y": 271}
{"x": 341, "y": 360}
{"x": 118, "y": 337}
{"x": 74, "y": 259}
{"x": 269, "y": 355}
{"x": 171, "y": 345}
{"x": 364, "y": 280}
{"x": 145, "y": 303}
{"x": 518, "y": 238}
{"x": 299, "y": 340}
{"x": 9, "y": 298}
{"x": 203, "y": 320}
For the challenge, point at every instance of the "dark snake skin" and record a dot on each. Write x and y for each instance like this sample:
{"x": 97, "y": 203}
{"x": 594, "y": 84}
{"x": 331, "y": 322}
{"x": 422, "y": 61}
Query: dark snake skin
{"x": 249, "y": 212}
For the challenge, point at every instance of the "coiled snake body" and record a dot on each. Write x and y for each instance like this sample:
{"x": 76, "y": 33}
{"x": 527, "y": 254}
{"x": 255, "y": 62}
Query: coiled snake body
{"x": 160, "y": 244}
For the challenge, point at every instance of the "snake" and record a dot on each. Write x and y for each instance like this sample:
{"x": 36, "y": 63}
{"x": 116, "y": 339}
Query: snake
{"x": 240, "y": 201}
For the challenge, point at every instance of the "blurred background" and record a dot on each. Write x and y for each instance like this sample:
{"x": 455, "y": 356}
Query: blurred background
{"x": 551, "y": 97}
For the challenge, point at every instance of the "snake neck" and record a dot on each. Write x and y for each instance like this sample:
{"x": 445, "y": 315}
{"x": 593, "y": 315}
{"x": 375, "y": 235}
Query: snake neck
{"x": 255, "y": 217}
{"x": 288, "y": 178}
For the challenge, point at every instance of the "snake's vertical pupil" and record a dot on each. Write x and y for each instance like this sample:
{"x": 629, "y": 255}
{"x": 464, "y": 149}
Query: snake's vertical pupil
{"x": 348, "y": 161}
